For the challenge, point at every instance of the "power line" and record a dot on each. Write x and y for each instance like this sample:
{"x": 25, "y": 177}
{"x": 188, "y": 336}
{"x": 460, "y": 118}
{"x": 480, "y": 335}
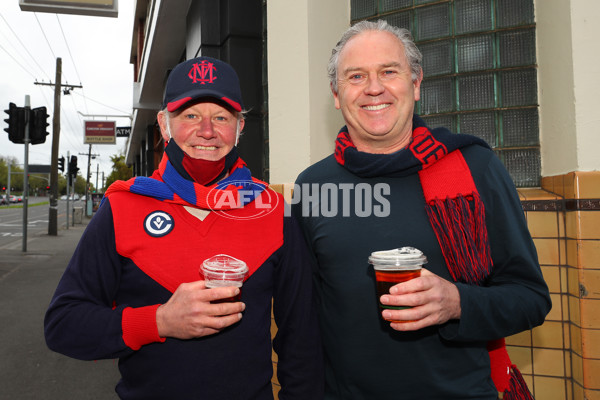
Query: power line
{"x": 67, "y": 135}
{"x": 16, "y": 52}
{"x": 25, "y": 47}
{"x": 18, "y": 63}
{"x": 79, "y": 123}
{"x": 68, "y": 48}
{"x": 45, "y": 37}
{"x": 102, "y": 104}
{"x": 72, "y": 58}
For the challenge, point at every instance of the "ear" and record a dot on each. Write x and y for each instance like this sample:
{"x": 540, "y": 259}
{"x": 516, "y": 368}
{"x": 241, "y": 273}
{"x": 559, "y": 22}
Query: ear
{"x": 162, "y": 123}
{"x": 335, "y": 96}
{"x": 242, "y": 122}
{"x": 417, "y": 86}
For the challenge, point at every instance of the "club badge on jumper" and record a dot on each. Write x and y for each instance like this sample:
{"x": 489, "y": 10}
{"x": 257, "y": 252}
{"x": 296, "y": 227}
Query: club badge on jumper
{"x": 158, "y": 223}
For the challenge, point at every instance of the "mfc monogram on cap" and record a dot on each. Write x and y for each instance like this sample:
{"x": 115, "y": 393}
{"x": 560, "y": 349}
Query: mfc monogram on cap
{"x": 202, "y": 77}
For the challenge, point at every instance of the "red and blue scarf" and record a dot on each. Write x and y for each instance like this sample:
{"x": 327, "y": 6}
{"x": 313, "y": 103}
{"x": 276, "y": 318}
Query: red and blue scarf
{"x": 167, "y": 184}
{"x": 455, "y": 211}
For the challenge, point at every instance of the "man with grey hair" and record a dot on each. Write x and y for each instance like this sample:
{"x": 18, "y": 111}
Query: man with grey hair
{"x": 437, "y": 336}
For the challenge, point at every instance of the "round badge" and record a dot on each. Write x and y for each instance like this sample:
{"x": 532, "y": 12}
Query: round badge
{"x": 158, "y": 224}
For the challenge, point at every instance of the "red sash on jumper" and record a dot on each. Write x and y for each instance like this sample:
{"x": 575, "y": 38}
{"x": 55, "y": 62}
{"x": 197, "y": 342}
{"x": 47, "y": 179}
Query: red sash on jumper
{"x": 172, "y": 255}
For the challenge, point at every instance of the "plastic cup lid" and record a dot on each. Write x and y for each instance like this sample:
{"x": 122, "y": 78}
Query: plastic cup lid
{"x": 400, "y": 256}
{"x": 223, "y": 262}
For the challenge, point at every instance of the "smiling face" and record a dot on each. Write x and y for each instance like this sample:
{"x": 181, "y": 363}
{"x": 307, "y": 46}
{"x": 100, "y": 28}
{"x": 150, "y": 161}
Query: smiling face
{"x": 376, "y": 92}
{"x": 204, "y": 130}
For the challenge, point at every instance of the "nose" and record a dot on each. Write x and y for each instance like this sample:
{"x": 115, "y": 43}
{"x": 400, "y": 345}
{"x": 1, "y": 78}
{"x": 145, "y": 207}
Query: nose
{"x": 374, "y": 86}
{"x": 205, "y": 129}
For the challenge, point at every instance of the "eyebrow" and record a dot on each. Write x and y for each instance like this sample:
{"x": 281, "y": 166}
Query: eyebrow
{"x": 382, "y": 66}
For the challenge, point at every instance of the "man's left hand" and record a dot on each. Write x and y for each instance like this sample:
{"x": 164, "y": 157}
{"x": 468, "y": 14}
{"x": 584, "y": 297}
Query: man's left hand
{"x": 433, "y": 301}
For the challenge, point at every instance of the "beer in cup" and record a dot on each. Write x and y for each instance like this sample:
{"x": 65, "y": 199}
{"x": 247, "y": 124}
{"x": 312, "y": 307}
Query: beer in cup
{"x": 395, "y": 266}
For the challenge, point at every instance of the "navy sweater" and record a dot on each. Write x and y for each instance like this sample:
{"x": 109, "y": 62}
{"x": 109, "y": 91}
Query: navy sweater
{"x": 84, "y": 321}
{"x": 364, "y": 357}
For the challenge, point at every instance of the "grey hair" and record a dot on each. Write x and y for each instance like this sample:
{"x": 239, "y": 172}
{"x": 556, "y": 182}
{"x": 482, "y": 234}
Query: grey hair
{"x": 410, "y": 49}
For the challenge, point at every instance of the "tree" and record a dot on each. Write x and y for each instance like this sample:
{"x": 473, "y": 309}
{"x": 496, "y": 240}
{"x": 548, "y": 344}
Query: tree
{"x": 16, "y": 180}
{"x": 79, "y": 184}
{"x": 120, "y": 170}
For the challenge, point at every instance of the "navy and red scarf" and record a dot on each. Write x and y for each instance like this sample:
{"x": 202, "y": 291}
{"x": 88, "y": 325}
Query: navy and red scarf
{"x": 167, "y": 184}
{"x": 455, "y": 211}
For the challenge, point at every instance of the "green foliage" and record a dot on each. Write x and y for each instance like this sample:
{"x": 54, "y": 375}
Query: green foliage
{"x": 120, "y": 170}
{"x": 80, "y": 184}
{"x": 16, "y": 180}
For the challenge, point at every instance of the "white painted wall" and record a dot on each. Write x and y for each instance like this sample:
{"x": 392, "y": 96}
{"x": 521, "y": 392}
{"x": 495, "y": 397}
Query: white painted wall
{"x": 303, "y": 122}
{"x": 569, "y": 84}
{"x": 586, "y": 66}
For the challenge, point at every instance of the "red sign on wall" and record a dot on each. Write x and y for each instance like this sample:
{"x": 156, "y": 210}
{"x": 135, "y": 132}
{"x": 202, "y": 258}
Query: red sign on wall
{"x": 100, "y": 132}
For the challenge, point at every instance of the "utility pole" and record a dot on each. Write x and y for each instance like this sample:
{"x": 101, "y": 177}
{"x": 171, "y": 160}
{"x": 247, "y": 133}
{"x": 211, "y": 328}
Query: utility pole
{"x": 68, "y": 184}
{"x": 26, "y": 173}
{"x": 53, "y": 210}
{"x": 8, "y": 183}
{"x": 87, "y": 179}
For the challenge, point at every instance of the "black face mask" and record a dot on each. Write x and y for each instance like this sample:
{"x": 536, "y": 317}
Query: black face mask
{"x": 203, "y": 172}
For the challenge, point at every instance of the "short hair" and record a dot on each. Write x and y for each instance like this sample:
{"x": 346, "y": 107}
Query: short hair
{"x": 410, "y": 49}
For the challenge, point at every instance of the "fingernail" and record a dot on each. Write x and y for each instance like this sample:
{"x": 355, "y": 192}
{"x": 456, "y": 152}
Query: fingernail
{"x": 385, "y": 299}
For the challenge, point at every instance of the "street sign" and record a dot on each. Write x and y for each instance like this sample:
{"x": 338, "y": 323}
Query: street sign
{"x": 123, "y": 131}
{"x": 99, "y": 132}
{"x": 39, "y": 168}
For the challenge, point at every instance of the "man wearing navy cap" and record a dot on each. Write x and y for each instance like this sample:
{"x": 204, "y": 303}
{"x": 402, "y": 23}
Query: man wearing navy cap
{"x": 133, "y": 291}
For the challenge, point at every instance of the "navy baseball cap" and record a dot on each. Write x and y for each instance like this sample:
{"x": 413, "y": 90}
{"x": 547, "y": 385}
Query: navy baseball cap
{"x": 202, "y": 77}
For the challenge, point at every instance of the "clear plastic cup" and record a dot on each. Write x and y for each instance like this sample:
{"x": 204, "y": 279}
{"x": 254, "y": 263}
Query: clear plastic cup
{"x": 223, "y": 270}
{"x": 395, "y": 266}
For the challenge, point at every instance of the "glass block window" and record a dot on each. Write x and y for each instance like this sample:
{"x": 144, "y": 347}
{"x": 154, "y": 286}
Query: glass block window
{"x": 480, "y": 71}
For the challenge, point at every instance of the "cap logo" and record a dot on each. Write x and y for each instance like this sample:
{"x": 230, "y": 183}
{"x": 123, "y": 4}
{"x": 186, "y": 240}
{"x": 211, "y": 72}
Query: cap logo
{"x": 202, "y": 72}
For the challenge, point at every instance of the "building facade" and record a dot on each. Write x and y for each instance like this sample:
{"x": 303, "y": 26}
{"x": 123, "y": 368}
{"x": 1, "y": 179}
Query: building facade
{"x": 523, "y": 74}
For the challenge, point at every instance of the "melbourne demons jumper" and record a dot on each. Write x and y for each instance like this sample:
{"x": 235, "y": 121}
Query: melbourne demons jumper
{"x": 138, "y": 249}
{"x": 151, "y": 234}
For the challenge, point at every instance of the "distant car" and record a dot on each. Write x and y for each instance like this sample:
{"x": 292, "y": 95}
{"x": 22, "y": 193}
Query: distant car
{"x": 12, "y": 199}
{"x": 72, "y": 197}
{"x": 3, "y": 200}
{"x": 19, "y": 199}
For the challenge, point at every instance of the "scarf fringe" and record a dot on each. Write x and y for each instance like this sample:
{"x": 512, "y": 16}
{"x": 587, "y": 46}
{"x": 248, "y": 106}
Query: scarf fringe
{"x": 518, "y": 389}
{"x": 458, "y": 223}
{"x": 462, "y": 235}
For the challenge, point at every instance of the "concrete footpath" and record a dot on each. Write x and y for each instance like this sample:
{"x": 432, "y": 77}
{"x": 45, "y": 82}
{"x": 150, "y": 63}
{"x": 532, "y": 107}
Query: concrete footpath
{"x": 28, "y": 369}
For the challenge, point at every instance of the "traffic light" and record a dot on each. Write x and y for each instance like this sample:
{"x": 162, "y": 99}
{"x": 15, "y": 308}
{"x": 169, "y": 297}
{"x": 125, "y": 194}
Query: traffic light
{"x": 16, "y": 123}
{"x": 61, "y": 164}
{"x": 38, "y": 124}
{"x": 73, "y": 167}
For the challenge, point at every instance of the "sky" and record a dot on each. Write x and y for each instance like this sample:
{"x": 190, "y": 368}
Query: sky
{"x": 95, "y": 53}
